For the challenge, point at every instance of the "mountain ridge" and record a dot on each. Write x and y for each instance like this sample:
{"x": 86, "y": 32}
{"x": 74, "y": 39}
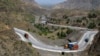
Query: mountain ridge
{"x": 79, "y": 4}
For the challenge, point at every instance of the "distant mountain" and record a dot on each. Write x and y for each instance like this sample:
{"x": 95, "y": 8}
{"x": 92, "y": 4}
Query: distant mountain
{"x": 33, "y": 7}
{"x": 79, "y": 4}
{"x": 48, "y": 4}
{"x": 31, "y": 2}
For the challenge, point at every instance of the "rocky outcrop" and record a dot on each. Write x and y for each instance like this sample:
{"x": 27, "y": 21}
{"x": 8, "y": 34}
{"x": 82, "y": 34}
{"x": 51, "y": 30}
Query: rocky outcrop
{"x": 95, "y": 47}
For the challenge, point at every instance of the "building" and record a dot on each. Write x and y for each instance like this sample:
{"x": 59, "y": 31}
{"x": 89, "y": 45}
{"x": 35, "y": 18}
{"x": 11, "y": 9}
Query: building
{"x": 43, "y": 19}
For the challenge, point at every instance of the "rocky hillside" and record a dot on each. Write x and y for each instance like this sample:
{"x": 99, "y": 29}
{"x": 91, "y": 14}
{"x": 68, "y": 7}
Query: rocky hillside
{"x": 95, "y": 48}
{"x": 79, "y": 4}
{"x": 10, "y": 45}
{"x": 33, "y": 7}
{"x": 13, "y": 13}
{"x": 32, "y": 2}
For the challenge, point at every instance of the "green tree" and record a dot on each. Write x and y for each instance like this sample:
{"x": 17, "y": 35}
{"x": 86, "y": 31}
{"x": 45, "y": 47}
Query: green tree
{"x": 65, "y": 16}
{"x": 91, "y": 25}
{"x": 61, "y": 35}
{"x": 69, "y": 31}
{"x": 67, "y": 20}
{"x": 29, "y": 43}
{"x": 78, "y": 20}
{"x": 92, "y": 15}
{"x": 84, "y": 18}
{"x": 98, "y": 24}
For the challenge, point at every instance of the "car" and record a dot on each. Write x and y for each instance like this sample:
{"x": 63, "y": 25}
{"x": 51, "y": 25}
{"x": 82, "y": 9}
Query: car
{"x": 26, "y": 35}
{"x": 86, "y": 40}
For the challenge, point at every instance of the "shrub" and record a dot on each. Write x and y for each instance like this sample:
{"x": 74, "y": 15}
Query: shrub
{"x": 30, "y": 43}
{"x": 98, "y": 24}
{"x": 84, "y": 18}
{"x": 44, "y": 30}
{"x": 61, "y": 35}
{"x": 69, "y": 31}
{"x": 92, "y": 15}
{"x": 91, "y": 25}
{"x": 79, "y": 20}
{"x": 65, "y": 16}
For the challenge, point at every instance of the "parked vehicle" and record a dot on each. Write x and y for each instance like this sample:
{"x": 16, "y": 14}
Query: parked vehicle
{"x": 71, "y": 46}
{"x": 75, "y": 47}
{"x": 26, "y": 35}
{"x": 86, "y": 40}
{"x": 65, "y": 46}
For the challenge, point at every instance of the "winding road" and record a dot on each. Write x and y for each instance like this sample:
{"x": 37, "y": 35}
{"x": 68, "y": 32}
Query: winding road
{"x": 40, "y": 45}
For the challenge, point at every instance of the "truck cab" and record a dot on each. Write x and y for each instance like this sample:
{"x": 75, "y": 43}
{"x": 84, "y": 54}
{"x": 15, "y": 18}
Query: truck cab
{"x": 71, "y": 46}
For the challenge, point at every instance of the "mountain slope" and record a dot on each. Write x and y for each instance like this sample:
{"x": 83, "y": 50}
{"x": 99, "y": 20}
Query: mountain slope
{"x": 33, "y": 7}
{"x": 32, "y": 2}
{"x": 10, "y": 45}
{"x": 13, "y": 14}
{"x": 79, "y": 4}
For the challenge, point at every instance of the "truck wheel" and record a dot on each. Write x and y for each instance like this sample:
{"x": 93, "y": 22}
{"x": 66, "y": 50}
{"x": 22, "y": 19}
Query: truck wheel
{"x": 63, "y": 53}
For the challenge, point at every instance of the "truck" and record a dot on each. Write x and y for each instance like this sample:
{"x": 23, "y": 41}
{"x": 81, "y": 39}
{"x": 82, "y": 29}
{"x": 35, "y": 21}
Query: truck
{"x": 65, "y": 46}
{"x": 26, "y": 35}
{"x": 75, "y": 47}
{"x": 71, "y": 46}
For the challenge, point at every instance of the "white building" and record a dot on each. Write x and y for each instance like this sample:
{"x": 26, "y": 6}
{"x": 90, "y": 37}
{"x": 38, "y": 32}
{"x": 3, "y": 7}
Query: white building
{"x": 43, "y": 19}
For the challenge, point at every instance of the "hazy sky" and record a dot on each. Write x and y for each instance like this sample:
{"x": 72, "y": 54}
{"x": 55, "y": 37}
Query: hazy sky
{"x": 48, "y": 2}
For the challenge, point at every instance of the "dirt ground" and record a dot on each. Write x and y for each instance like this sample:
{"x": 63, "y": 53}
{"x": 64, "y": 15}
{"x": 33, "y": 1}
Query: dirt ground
{"x": 75, "y": 36}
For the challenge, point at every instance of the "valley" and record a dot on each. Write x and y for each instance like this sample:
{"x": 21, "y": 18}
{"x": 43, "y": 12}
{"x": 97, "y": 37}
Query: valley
{"x": 49, "y": 28}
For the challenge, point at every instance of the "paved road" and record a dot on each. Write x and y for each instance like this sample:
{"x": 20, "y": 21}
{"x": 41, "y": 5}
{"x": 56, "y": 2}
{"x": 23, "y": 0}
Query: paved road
{"x": 40, "y": 45}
